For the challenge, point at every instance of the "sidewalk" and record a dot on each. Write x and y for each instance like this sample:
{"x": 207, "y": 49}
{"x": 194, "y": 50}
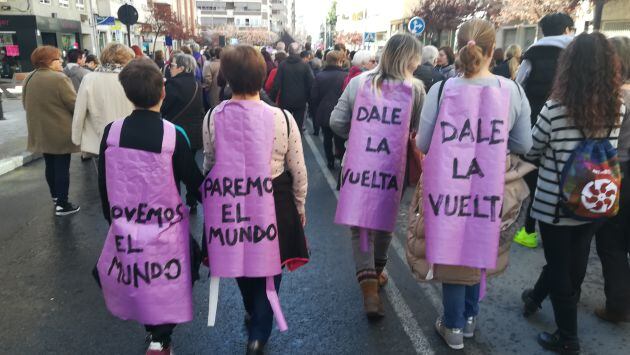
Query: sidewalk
{"x": 13, "y": 137}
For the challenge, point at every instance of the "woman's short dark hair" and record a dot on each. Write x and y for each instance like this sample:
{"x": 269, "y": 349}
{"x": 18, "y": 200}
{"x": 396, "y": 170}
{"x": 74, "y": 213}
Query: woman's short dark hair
{"x": 281, "y": 57}
{"x": 74, "y": 55}
{"x": 143, "y": 82}
{"x": 555, "y": 24}
{"x": 449, "y": 54}
{"x": 92, "y": 58}
{"x": 244, "y": 69}
{"x": 588, "y": 83}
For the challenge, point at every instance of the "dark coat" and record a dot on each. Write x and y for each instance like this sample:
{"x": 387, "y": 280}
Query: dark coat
{"x": 502, "y": 69}
{"x": 293, "y": 83}
{"x": 326, "y": 91}
{"x": 429, "y": 76}
{"x": 179, "y": 92}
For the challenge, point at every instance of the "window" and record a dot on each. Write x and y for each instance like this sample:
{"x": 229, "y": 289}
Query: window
{"x": 64, "y": 3}
{"x": 509, "y": 37}
{"x": 247, "y": 22}
{"x": 47, "y": 2}
{"x": 80, "y": 4}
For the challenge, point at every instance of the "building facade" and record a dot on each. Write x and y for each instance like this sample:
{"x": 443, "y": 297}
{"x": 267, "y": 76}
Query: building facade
{"x": 242, "y": 14}
{"x": 26, "y": 24}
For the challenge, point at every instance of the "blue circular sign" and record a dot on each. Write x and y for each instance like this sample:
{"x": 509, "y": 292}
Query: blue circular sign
{"x": 416, "y": 25}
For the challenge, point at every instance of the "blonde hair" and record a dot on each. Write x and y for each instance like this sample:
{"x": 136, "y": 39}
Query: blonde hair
{"x": 116, "y": 53}
{"x": 399, "y": 53}
{"x": 475, "y": 40}
{"x": 513, "y": 55}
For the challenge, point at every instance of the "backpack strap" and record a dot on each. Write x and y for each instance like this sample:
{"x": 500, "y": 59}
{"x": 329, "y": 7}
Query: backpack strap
{"x": 286, "y": 119}
{"x": 556, "y": 218}
{"x": 441, "y": 89}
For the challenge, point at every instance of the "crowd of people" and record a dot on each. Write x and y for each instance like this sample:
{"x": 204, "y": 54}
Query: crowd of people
{"x": 535, "y": 142}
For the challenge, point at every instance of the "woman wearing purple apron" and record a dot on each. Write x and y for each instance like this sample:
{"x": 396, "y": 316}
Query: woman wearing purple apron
{"x": 255, "y": 166}
{"x": 376, "y": 113}
{"x": 467, "y": 127}
{"x": 149, "y": 260}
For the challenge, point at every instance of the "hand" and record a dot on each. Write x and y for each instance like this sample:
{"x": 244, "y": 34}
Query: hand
{"x": 303, "y": 219}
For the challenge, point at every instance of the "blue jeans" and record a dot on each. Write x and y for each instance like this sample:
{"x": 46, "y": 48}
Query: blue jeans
{"x": 460, "y": 302}
{"x": 253, "y": 290}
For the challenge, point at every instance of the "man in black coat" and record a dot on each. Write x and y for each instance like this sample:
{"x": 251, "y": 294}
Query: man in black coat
{"x": 292, "y": 85}
{"x": 326, "y": 91}
{"x": 426, "y": 71}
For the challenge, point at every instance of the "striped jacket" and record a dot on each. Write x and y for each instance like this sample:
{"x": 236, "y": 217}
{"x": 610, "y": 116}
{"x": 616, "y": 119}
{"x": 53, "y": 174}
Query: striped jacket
{"x": 554, "y": 132}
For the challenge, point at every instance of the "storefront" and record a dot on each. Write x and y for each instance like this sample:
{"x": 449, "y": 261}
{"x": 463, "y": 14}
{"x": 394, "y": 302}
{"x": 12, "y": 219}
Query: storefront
{"x": 20, "y": 35}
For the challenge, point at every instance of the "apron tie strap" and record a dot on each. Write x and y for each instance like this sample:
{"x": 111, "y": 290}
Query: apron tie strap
{"x": 483, "y": 284}
{"x": 364, "y": 240}
{"x": 272, "y": 296}
{"x": 213, "y": 300}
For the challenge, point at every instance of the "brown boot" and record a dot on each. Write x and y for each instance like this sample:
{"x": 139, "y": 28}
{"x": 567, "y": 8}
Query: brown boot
{"x": 371, "y": 301}
{"x": 613, "y": 317}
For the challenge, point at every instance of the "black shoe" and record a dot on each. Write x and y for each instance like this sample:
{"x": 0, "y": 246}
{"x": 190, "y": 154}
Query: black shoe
{"x": 530, "y": 306}
{"x": 555, "y": 342}
{"x": 192, "y": 209}
{"x": 255, "y": 347}
{"x": 66, "y": 208}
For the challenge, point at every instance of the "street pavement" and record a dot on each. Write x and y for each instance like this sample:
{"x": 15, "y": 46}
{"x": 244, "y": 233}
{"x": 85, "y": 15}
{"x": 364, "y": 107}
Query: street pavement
{"x": 49, "y": 303}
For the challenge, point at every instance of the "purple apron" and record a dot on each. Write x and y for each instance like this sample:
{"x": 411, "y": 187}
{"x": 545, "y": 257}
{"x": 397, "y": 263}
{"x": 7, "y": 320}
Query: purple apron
{"x": 464, "y": 176}
{"x": 144, "y": 267}
{"x": 239, "y": 210}
{"x": 373, "y": 173}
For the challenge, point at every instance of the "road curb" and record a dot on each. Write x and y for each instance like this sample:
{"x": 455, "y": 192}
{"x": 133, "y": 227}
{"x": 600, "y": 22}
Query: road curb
{"x": 11, "y": 163}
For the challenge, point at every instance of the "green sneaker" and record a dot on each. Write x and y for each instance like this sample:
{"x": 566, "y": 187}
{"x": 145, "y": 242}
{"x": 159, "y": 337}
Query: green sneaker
{"x": 525, "y": 239}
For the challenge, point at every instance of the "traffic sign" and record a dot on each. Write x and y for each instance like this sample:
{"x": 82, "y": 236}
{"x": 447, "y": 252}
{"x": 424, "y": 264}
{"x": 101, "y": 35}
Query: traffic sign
{"x": 128, "y": 15}
{"x": 369, "y": 37}
{"x": 416, "y": 25}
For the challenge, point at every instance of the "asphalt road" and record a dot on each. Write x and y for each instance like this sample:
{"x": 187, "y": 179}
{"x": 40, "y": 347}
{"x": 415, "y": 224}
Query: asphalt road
{"x": 49, "y": 303}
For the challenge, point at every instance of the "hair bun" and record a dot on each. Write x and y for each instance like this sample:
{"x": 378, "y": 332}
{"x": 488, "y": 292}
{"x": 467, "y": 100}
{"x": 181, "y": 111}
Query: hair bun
{"x": 472, "y": 43}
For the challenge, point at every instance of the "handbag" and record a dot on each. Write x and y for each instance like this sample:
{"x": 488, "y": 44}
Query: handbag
{"x": 174, "y": 119}
{"x": 414, "y": 160}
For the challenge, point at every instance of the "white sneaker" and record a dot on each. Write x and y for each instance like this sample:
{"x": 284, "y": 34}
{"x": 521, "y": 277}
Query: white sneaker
{"x": 454, "y": 338}
{"x": 469, "y": 328}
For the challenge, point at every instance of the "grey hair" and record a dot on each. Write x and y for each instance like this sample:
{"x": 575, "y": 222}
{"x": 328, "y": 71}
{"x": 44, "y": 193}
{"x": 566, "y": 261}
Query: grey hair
{"x": 294, "y": 48}
{"x": 399, "y": 53}
{"x": 194, "y": 47}
{"x": 429, "y": 54}
{"x": 362, "y": 57}
{"x": 186, "y": 61}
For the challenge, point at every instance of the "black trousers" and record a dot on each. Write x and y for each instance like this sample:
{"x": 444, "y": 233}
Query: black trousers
{"x": 253, "y": 290}
{"x": 191, "y": 200}
{"x": 531, "y": 179}
{"x": 58, "y": 175}
{"x": 161, "y": 333}
{"x": 298, "y": 114}
{"x": 613, "y": 246}
{"x": 328, "y": 144}
{"x": 566, "y": 251}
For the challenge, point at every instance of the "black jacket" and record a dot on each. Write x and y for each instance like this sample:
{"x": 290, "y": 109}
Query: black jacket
{"x": 293, "y": 83}
{"x": 326, "y": 91}
{"x": 544, "y": 60}
{"x": 179, "y": 93}
{"x": 502, "y": 69}
{"x": 429, "y": 76}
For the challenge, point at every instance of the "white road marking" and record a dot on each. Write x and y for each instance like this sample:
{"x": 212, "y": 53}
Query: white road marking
{"x": 408, "y": 321}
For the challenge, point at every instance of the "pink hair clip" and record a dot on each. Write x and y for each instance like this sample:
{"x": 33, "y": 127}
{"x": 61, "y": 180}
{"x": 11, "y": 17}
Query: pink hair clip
{"x": 472, "y": 42}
